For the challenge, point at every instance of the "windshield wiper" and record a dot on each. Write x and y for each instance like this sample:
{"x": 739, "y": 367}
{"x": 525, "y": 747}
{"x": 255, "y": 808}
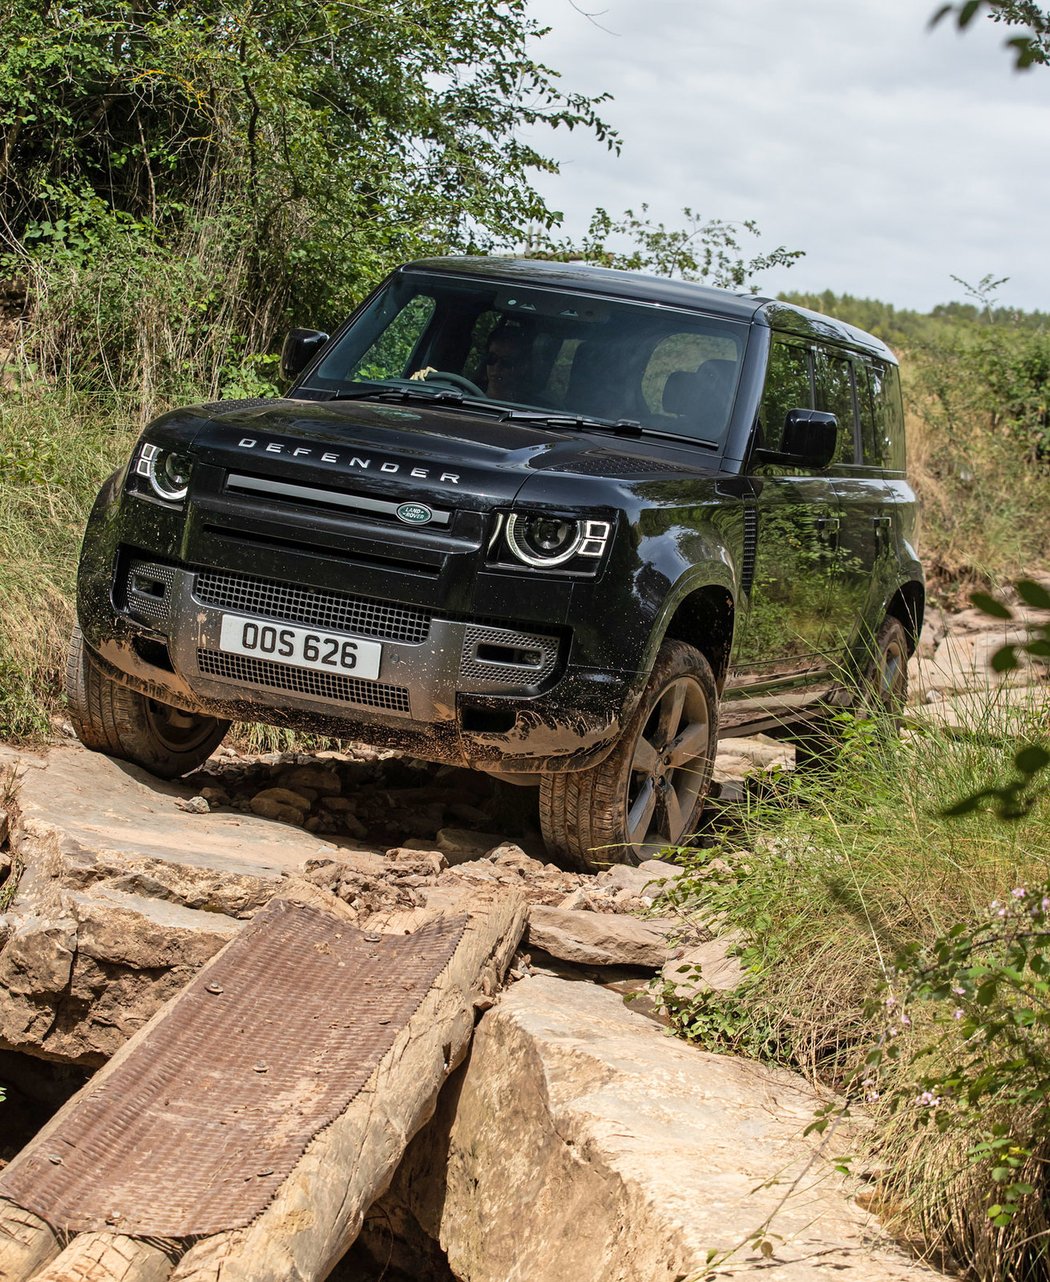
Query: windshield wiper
{"x": 439, "y": 396}
{"x": 582, "y": 422}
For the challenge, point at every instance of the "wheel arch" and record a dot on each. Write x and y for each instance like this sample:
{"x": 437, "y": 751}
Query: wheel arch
{"x": 704, "y": 618}
{"x": 908, "y": 604}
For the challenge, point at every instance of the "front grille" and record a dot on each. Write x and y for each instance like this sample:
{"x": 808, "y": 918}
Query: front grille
{"x": 501, "y": 657}
{"x": 323, "y": 685}
{"x": 356, "y": 615}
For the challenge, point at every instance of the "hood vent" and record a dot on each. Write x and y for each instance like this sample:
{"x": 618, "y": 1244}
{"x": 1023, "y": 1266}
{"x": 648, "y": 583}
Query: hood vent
{"x": 598, "y": 463}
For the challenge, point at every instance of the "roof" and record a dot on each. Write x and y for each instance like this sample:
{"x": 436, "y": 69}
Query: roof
{"x": 642, "y": 287}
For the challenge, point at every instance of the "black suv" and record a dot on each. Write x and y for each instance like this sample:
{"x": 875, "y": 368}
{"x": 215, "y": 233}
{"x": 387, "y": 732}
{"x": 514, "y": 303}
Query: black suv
{"x": 562, "y": 524}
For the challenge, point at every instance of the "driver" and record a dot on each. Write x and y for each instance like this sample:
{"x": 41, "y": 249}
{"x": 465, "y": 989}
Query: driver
{"x": 508, "y": 364}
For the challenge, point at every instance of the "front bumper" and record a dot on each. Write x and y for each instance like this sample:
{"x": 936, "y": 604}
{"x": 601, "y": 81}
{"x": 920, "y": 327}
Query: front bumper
{"x": 482, "y": 693}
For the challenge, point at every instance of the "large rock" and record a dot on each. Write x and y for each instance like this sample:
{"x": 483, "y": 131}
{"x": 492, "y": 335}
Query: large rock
{"x": 585, "y": 1144}
{"x": 597, "y": 939}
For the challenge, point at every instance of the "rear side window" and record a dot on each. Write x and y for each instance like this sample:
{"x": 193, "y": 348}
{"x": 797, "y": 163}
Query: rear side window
{"x": 788, "y": 387}
{"x": 888, "y": 417}
{"x": 834, "y": 384}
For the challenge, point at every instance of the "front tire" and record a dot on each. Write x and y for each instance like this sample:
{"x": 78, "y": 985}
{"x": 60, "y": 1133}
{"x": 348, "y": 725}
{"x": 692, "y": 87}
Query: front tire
{"x": 647, "y": 794}
{"x": 110, "y": 718}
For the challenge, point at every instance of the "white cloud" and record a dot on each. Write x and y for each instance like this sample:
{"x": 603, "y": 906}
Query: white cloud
{"x": 894, "y": 156}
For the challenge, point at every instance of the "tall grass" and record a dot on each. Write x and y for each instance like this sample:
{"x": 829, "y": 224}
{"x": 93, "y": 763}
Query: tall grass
{"x": 829, "y": 877}
{"x": 985, "y": 516}
{"x": 55, "y": 450}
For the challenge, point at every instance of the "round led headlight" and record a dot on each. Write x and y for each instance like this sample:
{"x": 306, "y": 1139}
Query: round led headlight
{"x": 544, "y": 541}
{"x": 168, "y": 472}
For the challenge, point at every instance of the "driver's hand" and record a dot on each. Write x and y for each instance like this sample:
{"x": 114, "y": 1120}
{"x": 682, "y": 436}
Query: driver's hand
{"x": 420, "y": 375}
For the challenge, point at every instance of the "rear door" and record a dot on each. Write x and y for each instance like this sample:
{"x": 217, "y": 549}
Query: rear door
{"x": 864, "y": 565}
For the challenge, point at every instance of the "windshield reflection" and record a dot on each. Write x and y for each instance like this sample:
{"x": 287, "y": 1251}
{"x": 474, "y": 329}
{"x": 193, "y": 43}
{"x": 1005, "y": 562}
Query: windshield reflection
{"x": 544, "y": 350}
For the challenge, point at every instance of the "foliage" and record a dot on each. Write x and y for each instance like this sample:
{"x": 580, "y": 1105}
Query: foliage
{"x": 707, "y": 250}
{"x": 55, "y": 451}
{"x": 256, "y": 163}
{"x": 828, "y": 878}
{"x": 985, "y": 1046}
{"x": 1015, "y": 798}
{"x": 1029, "y": 49}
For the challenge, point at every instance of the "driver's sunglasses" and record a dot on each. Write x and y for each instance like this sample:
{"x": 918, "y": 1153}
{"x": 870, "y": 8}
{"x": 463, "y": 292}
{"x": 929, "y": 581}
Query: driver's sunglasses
{"x": 511, "y": 360}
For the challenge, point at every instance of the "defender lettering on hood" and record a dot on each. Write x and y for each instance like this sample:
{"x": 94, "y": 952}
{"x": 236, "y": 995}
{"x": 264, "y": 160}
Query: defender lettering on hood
{"x": 561, "y": 524}
{"x": 349, "y": 461}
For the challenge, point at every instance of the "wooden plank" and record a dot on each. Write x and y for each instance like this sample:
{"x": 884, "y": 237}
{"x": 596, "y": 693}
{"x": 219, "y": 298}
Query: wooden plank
{"x": 317, "y": 1212}
{"x": 107, "y": 1257}
{"x": 26, "y": 1243}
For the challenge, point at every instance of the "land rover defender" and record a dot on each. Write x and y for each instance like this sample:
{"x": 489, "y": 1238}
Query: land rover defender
{"x": 559, "y": 523}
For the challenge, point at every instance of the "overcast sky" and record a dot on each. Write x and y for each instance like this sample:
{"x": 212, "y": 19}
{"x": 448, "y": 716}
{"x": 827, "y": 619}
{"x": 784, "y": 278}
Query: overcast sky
{"x": 894, "y": 156}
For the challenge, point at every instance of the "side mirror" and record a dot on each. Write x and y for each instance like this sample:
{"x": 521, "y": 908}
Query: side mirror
{"x": 300, "y": 347}
{"x": 808, "y": 441}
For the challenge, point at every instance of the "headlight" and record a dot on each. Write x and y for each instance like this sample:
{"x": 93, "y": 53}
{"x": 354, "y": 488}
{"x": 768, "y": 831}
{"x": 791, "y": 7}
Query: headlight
{"x": 544, "y": 541}
{"x": 168, "y": 472}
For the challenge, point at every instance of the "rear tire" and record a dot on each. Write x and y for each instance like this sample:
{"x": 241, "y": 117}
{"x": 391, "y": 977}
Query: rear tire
{"x": 881, "y": 697}
{"x": 110, "y": 718}
{"x": 647, "y": 794}
{"x": 884, "y": 689}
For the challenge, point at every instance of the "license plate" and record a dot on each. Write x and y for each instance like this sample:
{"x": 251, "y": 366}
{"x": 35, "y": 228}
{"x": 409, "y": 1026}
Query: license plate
{"x": 300, "y": 647}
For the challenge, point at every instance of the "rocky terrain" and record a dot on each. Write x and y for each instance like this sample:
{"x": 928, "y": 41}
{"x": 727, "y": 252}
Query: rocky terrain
{"x": 115, "y": 889}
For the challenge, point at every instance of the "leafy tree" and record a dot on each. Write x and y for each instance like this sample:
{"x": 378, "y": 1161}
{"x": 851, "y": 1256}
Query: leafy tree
{"x": 1029, "y": 49}
{"x": 708, "y": 250}
{"x": 318, "y": 142}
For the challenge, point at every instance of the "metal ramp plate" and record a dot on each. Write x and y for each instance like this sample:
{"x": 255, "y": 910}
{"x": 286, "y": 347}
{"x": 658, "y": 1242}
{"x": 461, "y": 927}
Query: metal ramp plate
{"x": 194, "y": 1132}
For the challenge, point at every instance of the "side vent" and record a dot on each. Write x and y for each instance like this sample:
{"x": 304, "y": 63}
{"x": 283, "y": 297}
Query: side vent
{"x": 747, "y": 569}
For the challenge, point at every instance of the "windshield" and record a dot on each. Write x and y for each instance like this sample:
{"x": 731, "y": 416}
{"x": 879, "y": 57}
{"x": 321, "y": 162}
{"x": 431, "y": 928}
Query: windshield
{"x": 543, "y": 350}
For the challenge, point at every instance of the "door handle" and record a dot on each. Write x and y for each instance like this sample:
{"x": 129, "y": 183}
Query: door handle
{"x": 828, "y": 527}
{"x": 883, "y": 525}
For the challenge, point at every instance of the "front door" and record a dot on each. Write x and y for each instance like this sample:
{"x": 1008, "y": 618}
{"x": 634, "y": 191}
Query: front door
{"x": 780, "y": 656}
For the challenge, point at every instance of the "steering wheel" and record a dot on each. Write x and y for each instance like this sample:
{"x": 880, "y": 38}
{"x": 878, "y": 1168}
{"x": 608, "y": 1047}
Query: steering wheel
{"x": 457, "y": 380}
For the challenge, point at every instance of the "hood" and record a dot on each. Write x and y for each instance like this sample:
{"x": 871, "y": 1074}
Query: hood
{"x": 412, "y": 452}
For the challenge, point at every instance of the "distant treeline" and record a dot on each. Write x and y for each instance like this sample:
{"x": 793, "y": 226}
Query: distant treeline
{"x": 901, "y": 327}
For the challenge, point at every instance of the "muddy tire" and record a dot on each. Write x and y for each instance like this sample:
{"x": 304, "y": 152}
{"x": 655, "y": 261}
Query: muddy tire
{"x": 110, "y": 718}
{"x": 881, "y": 697}
{"x": 647, "y": 794}
{"x": 884, "y": 687}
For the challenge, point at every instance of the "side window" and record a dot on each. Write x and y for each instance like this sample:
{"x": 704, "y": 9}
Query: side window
{"x": 834, "y": 381}
{"x": 872, "y": 440}
{"x": 889, "y": 416}
{"x": 788, "y": 387}
{"x": 390, "y": 355}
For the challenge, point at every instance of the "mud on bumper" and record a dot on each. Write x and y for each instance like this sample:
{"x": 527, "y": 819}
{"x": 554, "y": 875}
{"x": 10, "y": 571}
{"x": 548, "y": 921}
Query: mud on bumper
{"x": 475, "y": 692}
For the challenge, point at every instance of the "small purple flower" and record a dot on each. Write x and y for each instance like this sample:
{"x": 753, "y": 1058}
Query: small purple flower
{"x": 928, "y": 1100}
{"x": 957, "y": 1013}
{"x": 1018, "y": 892}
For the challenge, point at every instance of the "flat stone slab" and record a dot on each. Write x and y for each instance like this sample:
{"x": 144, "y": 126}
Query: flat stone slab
{"x": 112, "y": 808}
